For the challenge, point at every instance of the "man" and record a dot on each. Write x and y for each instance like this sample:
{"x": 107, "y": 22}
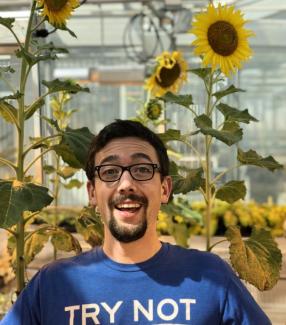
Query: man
{"x": 134, "y": 278}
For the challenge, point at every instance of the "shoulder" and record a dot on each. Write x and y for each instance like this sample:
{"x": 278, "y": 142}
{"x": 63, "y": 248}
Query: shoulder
{"x": 196, "y": 257}
{"x": 201, "y": 265}
{"x": 74, "y": 263}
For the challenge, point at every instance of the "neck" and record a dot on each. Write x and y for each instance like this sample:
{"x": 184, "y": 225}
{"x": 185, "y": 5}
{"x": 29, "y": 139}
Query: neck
{"x": 134, "y": 252}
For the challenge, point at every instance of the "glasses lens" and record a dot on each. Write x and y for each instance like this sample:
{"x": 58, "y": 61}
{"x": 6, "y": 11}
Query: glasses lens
{"x": 142, "y": 172}
{"x": 110, "y": 173}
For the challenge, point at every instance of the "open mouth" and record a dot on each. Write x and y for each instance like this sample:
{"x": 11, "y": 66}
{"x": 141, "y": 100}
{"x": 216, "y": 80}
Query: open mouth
{"x": 128, "y": 207}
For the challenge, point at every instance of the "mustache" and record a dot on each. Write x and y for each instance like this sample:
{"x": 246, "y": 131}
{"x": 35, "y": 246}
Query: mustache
{"x": 123, "y": 197}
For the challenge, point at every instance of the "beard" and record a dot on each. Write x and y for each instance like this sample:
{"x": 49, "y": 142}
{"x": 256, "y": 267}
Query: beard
{"x": 132, "y": 233}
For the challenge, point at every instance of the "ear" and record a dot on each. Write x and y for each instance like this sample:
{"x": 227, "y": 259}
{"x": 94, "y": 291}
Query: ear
{"x": 166, "y": 189}
{"x": 91, "y": 193}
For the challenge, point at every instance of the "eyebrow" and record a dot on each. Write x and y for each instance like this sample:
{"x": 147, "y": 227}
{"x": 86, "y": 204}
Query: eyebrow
{"x": 114, "y": 158}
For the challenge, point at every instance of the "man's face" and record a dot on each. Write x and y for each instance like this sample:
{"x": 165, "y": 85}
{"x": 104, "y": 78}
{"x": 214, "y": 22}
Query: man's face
{"x": 128, "y": 207}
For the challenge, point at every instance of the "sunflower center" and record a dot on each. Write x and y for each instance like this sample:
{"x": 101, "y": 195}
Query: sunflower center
{"x": 222, "y": 37}
{"x": 55, "y": 5}
{"x": 168, "y": 76}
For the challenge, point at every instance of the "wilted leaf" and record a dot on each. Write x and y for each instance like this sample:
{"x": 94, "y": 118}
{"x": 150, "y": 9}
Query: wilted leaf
{"x": 90, "y": 226}
{"x": 7, "y": 22}
{"x": 183, "y": 100}
{"x": 231, "y": 191}
{"x": 8, "y": 112}
{"x": 73, "y": 183}
{"x": 34, "y": 244}
{"x": 251, "y": 157}
{"x": 74, "y": 146}
{"x": 67, "y": 85}
{"x": 257, "y": 259}
{"x": 34, "y": 107}
{"x": 67, "y": 172}
{"x": 230, "y": 90}
{"x": 203, "y": 73}
{"x": 181, "y": 234}
{"x": 192, "y": 182}
{"x": 65, "y": 241}
{"x": 17, "y": 197}
{"x": 170, "y": 135}
{"x": 235, "y": 115}
{"x": 230, "y": 133}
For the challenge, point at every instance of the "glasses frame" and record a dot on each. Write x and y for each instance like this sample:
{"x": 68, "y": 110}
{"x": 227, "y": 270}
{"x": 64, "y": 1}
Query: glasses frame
{"x": 128, "y": 168}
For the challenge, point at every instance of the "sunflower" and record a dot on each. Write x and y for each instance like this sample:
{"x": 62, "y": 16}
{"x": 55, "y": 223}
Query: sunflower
{"x": 221, "y": 38}
{"x": 153, "y": 109}
{"x": 169, "y": 74}
{"x": 57, "y": 11}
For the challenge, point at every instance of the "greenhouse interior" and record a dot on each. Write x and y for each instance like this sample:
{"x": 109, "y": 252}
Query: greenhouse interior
{"x": 209, "y": 78}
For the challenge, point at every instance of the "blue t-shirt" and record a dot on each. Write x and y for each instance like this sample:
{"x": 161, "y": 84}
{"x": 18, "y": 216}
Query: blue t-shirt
{"x": 176, "y": 286}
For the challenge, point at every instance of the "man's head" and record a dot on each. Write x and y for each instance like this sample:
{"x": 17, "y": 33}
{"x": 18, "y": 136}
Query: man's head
{"x": 128, "y": 170}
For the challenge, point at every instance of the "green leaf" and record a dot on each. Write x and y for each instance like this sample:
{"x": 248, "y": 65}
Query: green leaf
{"x": 67, "y": 85}
{"x": 17, "y": 95}
{"x": 170, "y": 135}
{"x": 17, "y": 197}
{"x": 73, "y": 183}
{"x": 49, "y": 169}
{"x": 230, "y": 90}
{"x": 34, "y": 244}
{"x": 65, "y": 28}
{"x": 6, "y": 69}
{"x": 33, "y": 59}
{"x": 230, "y": 133}
{"x": 257, "y": 259}
{"x": 74, "y": 146}
{"x": 251, "y": 157}
{"x": 29, "y": 112}
{"x": 183, "y": 100}
{"x": 8, "y": 112}
{"x": 203, "y": 122}
{"x": 7, "y": 22}
{"x": 192, "y": 182}
{"x": 67, "y": 172}
{"x": 203, "y": 73}
{"x": 65, "y": 241}
{"x": 231, "y": 191}
{"x": 232, "y": 114}
{"x": 52, "y": 48}
{"x": 52, "y": 123}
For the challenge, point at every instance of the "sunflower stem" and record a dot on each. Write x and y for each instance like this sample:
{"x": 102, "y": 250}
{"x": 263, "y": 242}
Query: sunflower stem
{"x": 20, "y": 229}
{"x": 207, "y": 169}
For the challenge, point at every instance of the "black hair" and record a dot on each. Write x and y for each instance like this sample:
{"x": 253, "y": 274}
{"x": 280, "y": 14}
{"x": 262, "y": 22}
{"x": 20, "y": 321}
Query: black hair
{"x": 123, "y": 129}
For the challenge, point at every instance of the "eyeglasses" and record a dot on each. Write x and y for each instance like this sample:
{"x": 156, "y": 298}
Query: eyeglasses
{"x": 139, "y": 172}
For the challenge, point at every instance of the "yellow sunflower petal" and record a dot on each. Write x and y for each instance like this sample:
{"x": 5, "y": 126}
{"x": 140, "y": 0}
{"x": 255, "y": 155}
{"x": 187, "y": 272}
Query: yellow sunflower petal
{"x": 57, "y": 11}
{"x": 169, "y": 74}
{"x": 221, "y": 38}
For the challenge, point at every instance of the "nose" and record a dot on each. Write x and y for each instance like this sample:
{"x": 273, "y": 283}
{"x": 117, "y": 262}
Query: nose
{"x": 126, "y": 183}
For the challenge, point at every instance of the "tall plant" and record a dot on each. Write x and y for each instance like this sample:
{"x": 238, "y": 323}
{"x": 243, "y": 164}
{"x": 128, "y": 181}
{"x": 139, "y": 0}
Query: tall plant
{"x": 20, "y": 198}
{"x": 222, "y": 44}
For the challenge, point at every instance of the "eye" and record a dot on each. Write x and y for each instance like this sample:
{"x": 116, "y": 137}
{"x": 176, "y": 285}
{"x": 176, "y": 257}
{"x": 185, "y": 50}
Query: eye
{"x": 143, "y": 169}
{"x": 110, "y": 171}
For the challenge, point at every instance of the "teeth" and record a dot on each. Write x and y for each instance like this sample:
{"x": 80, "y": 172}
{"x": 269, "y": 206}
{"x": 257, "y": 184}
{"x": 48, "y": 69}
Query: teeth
{"x": 128, "y": 206}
